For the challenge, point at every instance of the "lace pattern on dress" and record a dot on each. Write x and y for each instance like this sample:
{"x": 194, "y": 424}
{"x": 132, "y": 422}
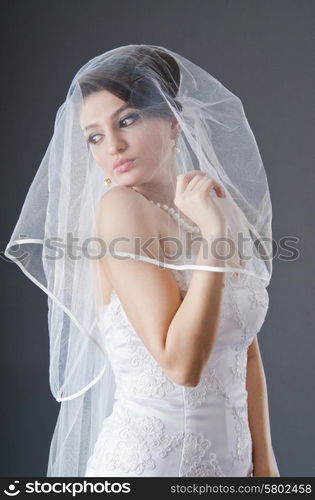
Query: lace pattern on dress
{"x": 138, "y": 442}
{"x": 196, "y": 396}
{"x": 197, "y": 459}
{"x": 243, "y": 442}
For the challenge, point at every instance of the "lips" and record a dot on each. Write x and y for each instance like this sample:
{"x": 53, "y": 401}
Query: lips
{"x": 121, "y": 161}
{"x": 123, "y": 165}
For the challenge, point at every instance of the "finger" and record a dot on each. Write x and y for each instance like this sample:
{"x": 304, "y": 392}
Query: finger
{"x": 184, "y": 179}
{"x": 194, "y": 182}
{"x": 192, "y": 173}
{"x": 220, "y": 191}
{"x": 207, "y": 186}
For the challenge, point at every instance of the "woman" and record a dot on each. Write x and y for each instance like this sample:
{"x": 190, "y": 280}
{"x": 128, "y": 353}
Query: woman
{"x": 158, "y": 371}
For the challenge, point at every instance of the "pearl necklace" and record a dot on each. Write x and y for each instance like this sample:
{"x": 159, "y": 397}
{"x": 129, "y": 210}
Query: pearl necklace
{"x": 176, "y": 217}
{"x": 187, "y": 227}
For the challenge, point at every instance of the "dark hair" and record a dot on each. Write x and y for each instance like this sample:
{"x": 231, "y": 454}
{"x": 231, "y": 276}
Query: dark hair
{"x": 139, "y": 75}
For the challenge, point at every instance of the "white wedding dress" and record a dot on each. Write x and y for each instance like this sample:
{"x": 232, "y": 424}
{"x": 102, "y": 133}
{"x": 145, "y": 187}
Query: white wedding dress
{"x": 159, "y": 428}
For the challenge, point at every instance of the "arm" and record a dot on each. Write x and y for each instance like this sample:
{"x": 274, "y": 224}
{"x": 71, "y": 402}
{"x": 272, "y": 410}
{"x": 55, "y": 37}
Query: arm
{"x": 193, "y": 330}
{"x": 179, "y": 334}
{"x": 263, "y": 457}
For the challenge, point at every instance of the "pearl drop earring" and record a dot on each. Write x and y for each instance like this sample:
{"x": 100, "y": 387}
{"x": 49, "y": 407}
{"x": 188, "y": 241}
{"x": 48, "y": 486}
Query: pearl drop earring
{"x": 176, "y": 148}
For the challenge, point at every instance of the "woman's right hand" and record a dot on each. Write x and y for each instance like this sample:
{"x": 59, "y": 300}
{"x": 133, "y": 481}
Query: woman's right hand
{"x": 192, "y": 197}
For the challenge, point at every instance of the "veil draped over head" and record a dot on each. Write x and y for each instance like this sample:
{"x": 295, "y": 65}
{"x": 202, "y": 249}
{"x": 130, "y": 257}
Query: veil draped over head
{"x": 174, "y": 118}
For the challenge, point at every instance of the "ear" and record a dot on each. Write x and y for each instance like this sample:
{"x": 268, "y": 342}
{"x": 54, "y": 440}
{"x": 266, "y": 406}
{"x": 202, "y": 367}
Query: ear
{"x": 175, "y": 127}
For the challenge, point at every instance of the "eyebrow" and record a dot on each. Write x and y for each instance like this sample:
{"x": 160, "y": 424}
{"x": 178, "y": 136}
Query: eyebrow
{"x": 124, "y": 106}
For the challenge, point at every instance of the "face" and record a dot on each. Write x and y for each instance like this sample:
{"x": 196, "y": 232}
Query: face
{"x": 116, "y": 131}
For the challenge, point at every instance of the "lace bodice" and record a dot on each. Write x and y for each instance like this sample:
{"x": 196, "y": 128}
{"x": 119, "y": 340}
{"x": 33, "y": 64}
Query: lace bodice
{"x": 206, "y": 424}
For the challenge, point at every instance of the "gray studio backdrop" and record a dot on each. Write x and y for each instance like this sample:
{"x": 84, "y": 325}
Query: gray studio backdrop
{"x": 263, "y": 51}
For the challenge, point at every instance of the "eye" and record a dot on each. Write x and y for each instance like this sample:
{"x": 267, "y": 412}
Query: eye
{"x": 91, "y": 138}
{"x": 133, "y": 117}
{"x": 124, "y": 122}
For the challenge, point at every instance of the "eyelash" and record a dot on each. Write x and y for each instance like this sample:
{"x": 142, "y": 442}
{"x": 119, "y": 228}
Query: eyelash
{"x": 136, "y": 115}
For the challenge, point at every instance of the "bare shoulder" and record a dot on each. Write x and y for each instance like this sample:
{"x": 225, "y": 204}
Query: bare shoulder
{"x": 123, "y": 211}
{"x": 121, "y": 200}
{"x": 122, "y": 195}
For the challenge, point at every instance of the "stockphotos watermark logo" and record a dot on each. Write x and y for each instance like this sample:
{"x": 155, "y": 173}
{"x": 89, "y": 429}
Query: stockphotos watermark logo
{"x": 93, "y": 248}
{"x": 75, "y": 488}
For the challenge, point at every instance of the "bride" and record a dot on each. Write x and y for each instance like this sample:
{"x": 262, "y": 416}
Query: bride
{"x": 182, "y": 389}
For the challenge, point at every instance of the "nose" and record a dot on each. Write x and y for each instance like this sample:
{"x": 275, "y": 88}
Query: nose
{"x": 115, "y": 143}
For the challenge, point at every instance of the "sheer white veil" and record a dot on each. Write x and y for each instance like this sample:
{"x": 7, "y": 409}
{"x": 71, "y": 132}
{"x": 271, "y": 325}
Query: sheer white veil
{"x": 56, "y": 240}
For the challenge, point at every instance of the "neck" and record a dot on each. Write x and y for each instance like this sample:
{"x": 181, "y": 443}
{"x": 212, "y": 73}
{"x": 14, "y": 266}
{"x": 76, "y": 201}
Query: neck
{"x": 161, "y": 189}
